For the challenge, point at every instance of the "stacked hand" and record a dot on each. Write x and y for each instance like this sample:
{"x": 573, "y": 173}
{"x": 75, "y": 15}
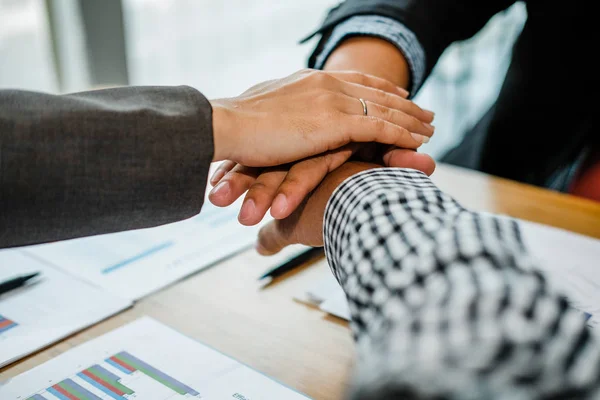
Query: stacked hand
{"x": 283, "y": 137}
{"x": 305, "y": 224}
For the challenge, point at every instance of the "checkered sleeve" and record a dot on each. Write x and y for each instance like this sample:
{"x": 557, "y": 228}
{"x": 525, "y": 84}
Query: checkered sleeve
{"x": 445, "y": 302}
{"x": 384, "y": 28}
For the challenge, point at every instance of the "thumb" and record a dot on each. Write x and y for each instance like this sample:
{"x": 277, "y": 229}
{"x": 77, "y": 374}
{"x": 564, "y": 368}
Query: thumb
{"x": 271, "y": 239}
{"x": 405, "y": 158}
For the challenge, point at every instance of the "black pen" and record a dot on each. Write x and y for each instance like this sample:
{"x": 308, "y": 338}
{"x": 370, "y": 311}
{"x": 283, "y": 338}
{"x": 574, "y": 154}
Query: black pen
{"x": 289, "y": 265}
{"x": 16, "y": 282}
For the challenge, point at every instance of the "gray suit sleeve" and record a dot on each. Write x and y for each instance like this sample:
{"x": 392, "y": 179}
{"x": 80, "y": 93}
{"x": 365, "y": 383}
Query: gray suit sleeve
{"x": 102, "y": 161}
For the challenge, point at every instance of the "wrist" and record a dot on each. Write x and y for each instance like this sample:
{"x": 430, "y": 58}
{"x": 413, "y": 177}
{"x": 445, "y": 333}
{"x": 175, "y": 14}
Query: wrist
{"x": 223, "y": 128}
{"x": 372, "y": 56}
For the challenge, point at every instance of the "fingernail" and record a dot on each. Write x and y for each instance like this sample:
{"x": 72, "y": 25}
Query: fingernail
{"x": 431, "y": 114}
{"x": 219, "y": 173}
{"x": 280, "y": 204}
{"x": 420, "y": 138}
{"x": 429, "y": 126}
{"x": 247, "y": 210}
{"x": 222, "y": 189}
{"x": 404, "y": 92}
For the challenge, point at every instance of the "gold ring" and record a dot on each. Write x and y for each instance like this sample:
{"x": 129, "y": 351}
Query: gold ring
{"x": 364, "y": 104}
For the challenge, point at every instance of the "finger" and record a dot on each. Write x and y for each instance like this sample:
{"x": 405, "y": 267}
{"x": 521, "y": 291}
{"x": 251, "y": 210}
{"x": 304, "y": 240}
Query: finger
{"x": 389, "y": 100}
{"x": 260, "y": 196}
{"x": 399, "y": 118}
{"x": 221, "y": 170}
{"x": 371, "y": 81}
{"x": 233, "y": 185}
{"x": 402, "y": 158}
{"x": 304, "y": 177}
{"x": 359, "y": 128}
{"x": 271, "y": 240}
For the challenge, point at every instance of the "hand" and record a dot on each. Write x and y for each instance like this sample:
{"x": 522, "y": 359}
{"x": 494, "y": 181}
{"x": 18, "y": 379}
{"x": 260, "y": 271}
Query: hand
{"x": 305, "y": 225}
{"x": 312, "y": 112}
{"x": 376, "y": 57}
{"x": 284, "y": 188}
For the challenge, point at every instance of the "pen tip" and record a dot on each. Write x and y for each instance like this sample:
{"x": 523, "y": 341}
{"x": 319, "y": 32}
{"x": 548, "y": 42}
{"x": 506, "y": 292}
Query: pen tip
{"x": 265, "y": 280}
{"x": 31, "y": 276}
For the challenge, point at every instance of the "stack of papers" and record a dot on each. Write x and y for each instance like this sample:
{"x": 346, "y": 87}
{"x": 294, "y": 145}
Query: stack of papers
{"x": 47, "y": 310}
{"x": 570, "y": 260}
{"x": 137, "y": 263}
{"x": 144, "y": 360}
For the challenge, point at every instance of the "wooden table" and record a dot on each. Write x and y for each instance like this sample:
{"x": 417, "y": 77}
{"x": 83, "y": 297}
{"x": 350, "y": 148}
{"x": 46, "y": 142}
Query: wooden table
{"x": 294, "y": 343}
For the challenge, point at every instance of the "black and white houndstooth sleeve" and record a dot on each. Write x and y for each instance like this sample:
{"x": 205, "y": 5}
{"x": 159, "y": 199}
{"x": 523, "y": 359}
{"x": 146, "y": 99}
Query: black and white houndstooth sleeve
{"x": 445, "y": 302}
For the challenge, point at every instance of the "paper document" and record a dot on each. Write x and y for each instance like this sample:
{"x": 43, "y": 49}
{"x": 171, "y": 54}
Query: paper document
{"x": 336, "y": 304}
{"x": 144, "y": 360}
{"x": 136, "y": 263}
{"x": 48, "y": 309}
{"x": 326, "y": 293}
{"x": 569, "y": 259}
{"x": 572, "y": 261}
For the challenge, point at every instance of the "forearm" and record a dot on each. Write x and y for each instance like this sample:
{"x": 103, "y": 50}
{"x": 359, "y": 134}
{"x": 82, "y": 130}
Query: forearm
{"x": 372, "y": 56}
{"x": 102, "y": 161}
{"x": 446, "y": 302}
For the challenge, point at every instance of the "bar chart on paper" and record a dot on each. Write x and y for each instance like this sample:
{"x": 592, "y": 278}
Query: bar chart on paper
{"x": 143, "y": 360}
{"x": 6, "y": 324}
{"x": 48, "y": 308}
{"x": 118, "y": 377}
{"x": 136, "y": 263}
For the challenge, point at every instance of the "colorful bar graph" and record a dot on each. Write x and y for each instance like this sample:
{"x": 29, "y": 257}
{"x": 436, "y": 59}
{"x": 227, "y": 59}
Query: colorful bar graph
{"x": 131, "y": 362}
{"x": 6, "y": 324}
{"x": 37, "y": 397}
{"x": 137, "y": 257}
{"x": 77, "y": 390}
{"x": 101, "y": 385}
{"x": 109, "y": 383}
{"x": 57, "y": 391}
{"x": 118, "y": 365}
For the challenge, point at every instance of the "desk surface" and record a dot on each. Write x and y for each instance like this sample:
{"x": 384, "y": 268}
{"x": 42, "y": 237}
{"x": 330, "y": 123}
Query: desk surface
{"x": 294, "y": 343}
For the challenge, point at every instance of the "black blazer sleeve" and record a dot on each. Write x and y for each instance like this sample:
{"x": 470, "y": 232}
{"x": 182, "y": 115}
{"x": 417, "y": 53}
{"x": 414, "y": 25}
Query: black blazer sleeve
{"x": 102, "y": 161}
{"x": 436, "y": 23}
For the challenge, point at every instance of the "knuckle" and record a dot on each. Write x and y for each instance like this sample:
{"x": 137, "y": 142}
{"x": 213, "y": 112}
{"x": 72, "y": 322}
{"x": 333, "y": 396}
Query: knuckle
{"x": 386, "y": 113}
{"x": 328, "y": 98}
{"x": 320, "y": 78}
{"x": 360, "y": 77}
{"x": 291, "y": 183}
{"x": 317, "y": 166}
{"x": 257, "y": 189}
{"x": 378, "y": 124}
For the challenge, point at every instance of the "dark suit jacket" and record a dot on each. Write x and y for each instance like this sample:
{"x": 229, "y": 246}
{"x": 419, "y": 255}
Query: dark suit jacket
{"x": 101, "y": 161}
{"x": 542, "y": 120}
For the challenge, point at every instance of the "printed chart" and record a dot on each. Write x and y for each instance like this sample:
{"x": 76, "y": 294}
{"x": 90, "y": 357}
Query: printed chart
{"x": 144, "y": 360}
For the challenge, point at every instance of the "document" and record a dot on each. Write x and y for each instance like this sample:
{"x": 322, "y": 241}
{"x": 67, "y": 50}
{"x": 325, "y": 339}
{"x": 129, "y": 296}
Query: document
{"x": 136, "y": 263}
{"x": 570, "y": 260}
{"x": 51, "y": 307}
{"x": 336, "y": 304}
{"x": 144, "y": 360}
